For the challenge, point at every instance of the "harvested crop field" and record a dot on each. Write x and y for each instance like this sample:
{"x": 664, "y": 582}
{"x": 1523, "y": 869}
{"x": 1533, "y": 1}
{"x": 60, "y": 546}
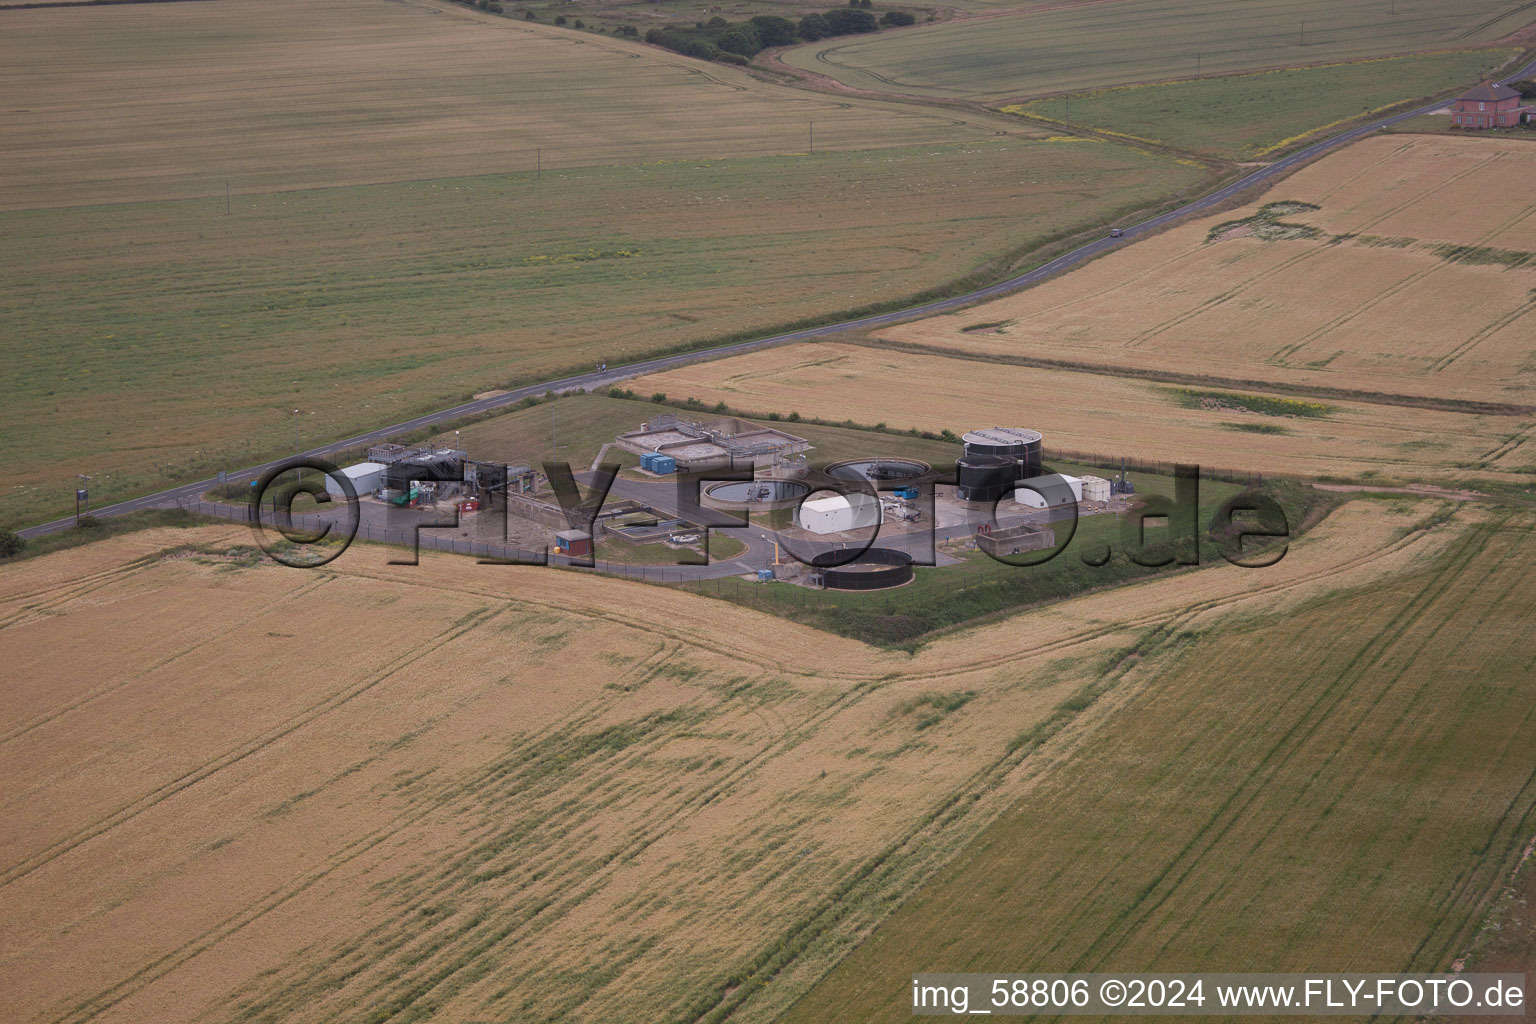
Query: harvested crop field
{"x": 1088, "y": 46}
{"x": 1103, "y": 415}
{"x": 485, "y": 792}
{"x": 1411, "y": 283}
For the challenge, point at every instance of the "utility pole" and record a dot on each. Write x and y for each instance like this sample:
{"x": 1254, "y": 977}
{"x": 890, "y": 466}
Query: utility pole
{"x": 1069, "y": 108}
{"x": 1303, "y": 31}
{"x": 82, "y": 494}
{"x": 226, "y": 199}
{"x": 813, "y": 138}
{"x": 538, "y": 165}
{"x": 1197, "y": 66}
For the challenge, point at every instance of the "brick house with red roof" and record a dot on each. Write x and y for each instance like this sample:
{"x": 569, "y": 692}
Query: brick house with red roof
{"x": 1491, "y": 106}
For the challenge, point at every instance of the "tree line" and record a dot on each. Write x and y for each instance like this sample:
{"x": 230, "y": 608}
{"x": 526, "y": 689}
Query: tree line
{"x": 731, "y": 42}
{"x": 738, "y": 42}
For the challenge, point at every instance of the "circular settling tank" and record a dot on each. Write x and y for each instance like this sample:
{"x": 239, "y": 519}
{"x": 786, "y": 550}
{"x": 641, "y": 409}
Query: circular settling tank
{"x": 755, "y": 493}
{"x": 875, "y": 569}
{"x": 878, "y": 469}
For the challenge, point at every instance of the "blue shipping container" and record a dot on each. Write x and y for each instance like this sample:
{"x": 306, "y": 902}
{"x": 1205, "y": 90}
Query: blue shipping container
{"x": 663, "y": 464}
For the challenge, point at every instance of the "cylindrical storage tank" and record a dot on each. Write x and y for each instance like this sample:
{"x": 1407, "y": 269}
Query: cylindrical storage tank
{"x": 1018, "y": 443}
{"x": 875, "y": 569}
{"x": 985, "y": 477}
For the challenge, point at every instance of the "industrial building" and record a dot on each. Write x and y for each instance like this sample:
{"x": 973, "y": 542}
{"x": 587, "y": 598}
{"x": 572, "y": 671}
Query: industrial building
{"x": 1094, "y": 488}
{"x": 366, "y": 477}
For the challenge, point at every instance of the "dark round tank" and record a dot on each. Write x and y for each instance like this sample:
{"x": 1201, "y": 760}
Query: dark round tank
{"x": 985, "y": 477}
{"x": 1018, "y": 443}
{"x": 874, "y": 569}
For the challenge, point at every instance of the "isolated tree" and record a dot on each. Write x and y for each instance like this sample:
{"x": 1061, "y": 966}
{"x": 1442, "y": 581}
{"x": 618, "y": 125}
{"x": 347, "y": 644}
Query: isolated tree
{"x": 897, "y": 18}
{"x": 559, "y": 19}
{"x": 10, "y": 544}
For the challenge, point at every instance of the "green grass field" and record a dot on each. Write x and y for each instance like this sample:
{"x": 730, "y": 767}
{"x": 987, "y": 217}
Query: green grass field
{"x": 1084, "y": 47}
{"x": 155, "y": 342}
{"x": 1250, "y": 117}
{"x": 1344, "y": 787}
{"x": 577, "y": 426}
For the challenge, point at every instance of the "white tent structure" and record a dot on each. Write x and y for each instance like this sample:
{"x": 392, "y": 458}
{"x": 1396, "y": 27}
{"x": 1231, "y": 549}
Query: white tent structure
{"x": 838, "y": 513}
{"x": 1050, "y": 490}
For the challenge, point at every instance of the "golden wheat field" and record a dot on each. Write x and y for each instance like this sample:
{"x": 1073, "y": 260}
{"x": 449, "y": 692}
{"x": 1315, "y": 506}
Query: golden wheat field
{"x": 496, "y": 793}
{"x": 1104, "y": 415}
{"x": 167, "y": 101}
{"x": 1420, "y": 280}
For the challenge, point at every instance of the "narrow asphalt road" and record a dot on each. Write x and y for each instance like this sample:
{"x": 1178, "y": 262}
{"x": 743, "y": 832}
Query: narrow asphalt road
{"x": 596, "y": 379}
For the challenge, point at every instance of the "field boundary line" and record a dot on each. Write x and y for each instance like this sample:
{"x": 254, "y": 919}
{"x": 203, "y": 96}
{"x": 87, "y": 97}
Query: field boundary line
{"x": 1203, "y": 380}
